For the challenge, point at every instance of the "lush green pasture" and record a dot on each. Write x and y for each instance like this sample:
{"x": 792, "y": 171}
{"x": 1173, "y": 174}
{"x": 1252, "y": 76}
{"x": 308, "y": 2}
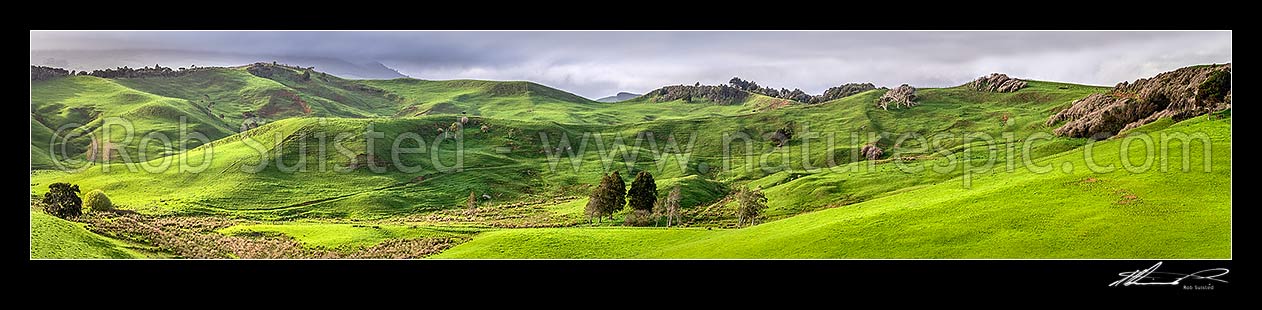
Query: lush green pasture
{"x": 511, "y": 161}
{"x": 1022, "y": 214}
{"x": 52, "y": 237}
{"x": 595, "y": 242}
{"x": 961, "y": 196}
{"x": 345, "y": 235}
{"x": 522, "y": 100}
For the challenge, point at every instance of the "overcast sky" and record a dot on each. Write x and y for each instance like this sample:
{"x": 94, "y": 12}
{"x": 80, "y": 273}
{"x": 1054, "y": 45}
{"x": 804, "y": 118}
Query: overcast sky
{"x": 597, "y": 64}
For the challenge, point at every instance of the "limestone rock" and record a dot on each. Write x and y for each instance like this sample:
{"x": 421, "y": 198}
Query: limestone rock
{"x": 1178, "y": 94}
{"x": 904, "y": 96}
{"x": 996, "y": 82}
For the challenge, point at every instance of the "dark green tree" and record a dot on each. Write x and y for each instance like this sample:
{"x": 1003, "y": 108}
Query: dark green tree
{"x": 62, "y": 200}
{"x": 598, "y": 199}
{"x": 643, "y": 193}
{"x": 617, "y": 193}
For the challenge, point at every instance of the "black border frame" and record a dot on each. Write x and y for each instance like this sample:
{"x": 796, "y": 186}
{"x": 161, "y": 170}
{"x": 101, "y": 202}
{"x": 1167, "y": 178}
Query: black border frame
{"x": 844, "y": 278}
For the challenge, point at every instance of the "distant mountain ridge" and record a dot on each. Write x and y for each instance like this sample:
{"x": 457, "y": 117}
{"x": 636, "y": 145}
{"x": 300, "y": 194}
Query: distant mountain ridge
{"x": 621, "y": 96}
{"x": 137, "y": 58}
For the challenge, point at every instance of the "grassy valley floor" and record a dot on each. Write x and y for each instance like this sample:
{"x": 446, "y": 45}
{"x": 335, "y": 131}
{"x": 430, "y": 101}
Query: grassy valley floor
{"x": 1003, "y": 215}
{"x": 824, "y": 200}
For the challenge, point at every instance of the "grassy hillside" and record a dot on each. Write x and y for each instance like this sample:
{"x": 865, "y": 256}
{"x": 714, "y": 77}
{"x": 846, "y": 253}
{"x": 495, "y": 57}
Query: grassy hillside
{"x": 232, "y": 91}
{"x": 1021, "y": 214}
{"x": 213, "y": 101}
{"x": 85, "y": 105}
{"x": 337, "y": 236}
{"x": 510, "y": 162}
{"x": 530, "y": 101}
{"x": 825, "y": 201}
{"x": 52, "y": 237}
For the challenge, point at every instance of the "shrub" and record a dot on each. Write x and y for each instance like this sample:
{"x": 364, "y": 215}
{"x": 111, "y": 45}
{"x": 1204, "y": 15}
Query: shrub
{"x": 871, "y": 151}
{"x": 96, "y": 201}
{"x": 1215, "y": 88}
{"x": 639, "y": 218}
{"x": 669, "y": 207}
{"x": 472, "y": 202}
{"x": 62, "y": 200}
{"x": 751, "y": 204}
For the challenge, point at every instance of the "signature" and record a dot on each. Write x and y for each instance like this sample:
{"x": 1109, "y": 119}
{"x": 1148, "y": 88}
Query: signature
{"x": 1151, "y": 276}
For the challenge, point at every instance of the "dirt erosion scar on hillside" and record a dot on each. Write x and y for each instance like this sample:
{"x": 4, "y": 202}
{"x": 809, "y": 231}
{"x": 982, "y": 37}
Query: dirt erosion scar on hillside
{"x": 997, "y": 83}
{"x": 1178, "y": 94}
{"x": 904, "y": 96}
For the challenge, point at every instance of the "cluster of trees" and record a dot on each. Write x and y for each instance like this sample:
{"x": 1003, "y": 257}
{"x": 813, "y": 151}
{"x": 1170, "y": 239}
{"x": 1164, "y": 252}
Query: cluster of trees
{"x": 1216, "y": 88}
{"x": 277, "y": 64}
{"x": 266, "y": 70}
{"x": 751, "y": 203}
{"x": 608, "y": 198}
{"x": 128, "y": 72}
{"x": 783, "y": 93}
{"x": 845, "y": 90}
{"x": 721, "y": 94}
{"x": 611, "y": 196}
{"x": 261, "y": 70}
{"x": 40, "y": 73}
{"x": 62, "y": 200}
{"x": 799, "y": 95}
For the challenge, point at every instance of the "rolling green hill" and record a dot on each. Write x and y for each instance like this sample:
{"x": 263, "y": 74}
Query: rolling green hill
{"x": 1004, "y": 215}
{"x": 273, "y": 193}
{"x": 214, "y": 101}
{"x": 969, "y": 197}
{"x": 233, "y": 91}
{"x": 52, "y": 237}
{"x": 530, "y": 101}
{"x": 86, "y": 105}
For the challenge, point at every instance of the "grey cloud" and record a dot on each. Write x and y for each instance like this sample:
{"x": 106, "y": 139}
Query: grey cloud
{"x": 596, "y": 64}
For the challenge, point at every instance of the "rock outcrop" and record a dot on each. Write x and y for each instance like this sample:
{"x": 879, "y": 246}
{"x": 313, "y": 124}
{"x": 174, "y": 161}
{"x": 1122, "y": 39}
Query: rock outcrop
{"x": 1178, "y": 94}
{"x": 904, "y": 96}
{"x": 997, "y": 83}
{"x": 250, "y": 121}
